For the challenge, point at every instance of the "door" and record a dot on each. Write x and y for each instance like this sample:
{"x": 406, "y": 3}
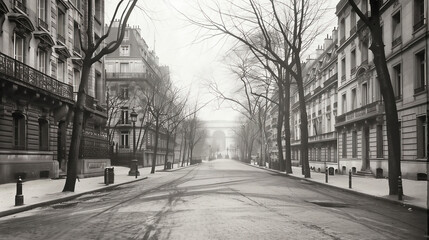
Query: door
{"x": 365, "y": 149}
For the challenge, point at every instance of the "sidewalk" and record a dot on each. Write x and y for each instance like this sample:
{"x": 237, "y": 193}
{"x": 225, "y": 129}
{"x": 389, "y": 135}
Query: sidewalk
{"x": 48, "y": 191}
{"x": 415, "y": 192}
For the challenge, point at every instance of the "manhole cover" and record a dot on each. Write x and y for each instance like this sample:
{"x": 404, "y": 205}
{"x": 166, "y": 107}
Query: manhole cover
{"x": 329, "y": 203}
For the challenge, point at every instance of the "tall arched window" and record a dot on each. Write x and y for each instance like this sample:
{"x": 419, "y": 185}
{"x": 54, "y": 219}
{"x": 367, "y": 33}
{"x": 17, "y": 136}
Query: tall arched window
{"x": 43, "y": 135}
{"x": 18, "y": 131}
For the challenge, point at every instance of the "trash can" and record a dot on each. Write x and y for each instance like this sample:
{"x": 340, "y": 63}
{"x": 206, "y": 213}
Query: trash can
{"x": 331, "y": 171}
{"x": 168, "y": 165}
{"x": 109, "y": 175}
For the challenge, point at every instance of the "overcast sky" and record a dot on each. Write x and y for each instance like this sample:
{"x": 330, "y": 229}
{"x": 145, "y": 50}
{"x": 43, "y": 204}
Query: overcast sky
{"x": 192, "y": 62}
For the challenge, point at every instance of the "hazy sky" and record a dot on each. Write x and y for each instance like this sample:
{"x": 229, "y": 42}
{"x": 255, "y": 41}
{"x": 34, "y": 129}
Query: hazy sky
{"x": 192, "y": 62}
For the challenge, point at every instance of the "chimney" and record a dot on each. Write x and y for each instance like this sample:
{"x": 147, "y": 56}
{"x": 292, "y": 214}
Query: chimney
{"x": 335, "y": 35}
{"x": 319, "y": 51}
{"x": 328, "y": 41}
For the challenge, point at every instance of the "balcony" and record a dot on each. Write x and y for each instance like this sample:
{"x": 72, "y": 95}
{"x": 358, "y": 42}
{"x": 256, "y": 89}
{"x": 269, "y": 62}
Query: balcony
{"x": 353, "y": 70}
{"x": 397, "y": 41}
{"x": 20, "y": 5}
{"x": 343, "y": 39}
{"x": 419, "y": 24}
{"x": 61, "y": 39}
{"x": 127, "y": 75}
{"x": 43, "y": 24}
{"x": 353, "y": 30}
{"x": 365, "y": 112}
{"x": 18, "y": 71}
{"x": 330, "y": 136}
{"x": 343, "y": 78}
{"x": 331, "y": 79}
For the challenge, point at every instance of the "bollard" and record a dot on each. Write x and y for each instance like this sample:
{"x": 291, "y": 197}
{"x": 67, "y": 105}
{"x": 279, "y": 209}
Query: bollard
{"x": 326, "y": 175}
{"x": 137, "y": 169}
{"x": 19, "y": 198}
{"x": 400, "y": 190}
{"x": 350, "y": 178}
{"x": 106, "y": 173}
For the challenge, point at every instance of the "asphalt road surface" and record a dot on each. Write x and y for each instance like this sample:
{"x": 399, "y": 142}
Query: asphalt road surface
{"x": 221, "y": 199}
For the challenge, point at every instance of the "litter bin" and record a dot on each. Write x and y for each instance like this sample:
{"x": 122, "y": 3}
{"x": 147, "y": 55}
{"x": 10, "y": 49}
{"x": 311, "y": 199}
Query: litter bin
{"x": 109, "y": 175}
{"x": 168, "y": 165}
{"x": 379, "y": 173}
{"x": 331, "y": 171}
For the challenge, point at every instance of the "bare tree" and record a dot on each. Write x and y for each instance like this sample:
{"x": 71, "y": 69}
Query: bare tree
{"x": 90, "y": 46}
{"x": 297, "y": 26}
{"x": 377, "y": 48}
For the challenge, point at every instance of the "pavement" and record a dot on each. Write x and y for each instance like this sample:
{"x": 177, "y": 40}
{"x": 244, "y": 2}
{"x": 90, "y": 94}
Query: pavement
{"x": 49, "y": 191}
{"x": 415, "y": 192}
{"x": 43, "y": 192}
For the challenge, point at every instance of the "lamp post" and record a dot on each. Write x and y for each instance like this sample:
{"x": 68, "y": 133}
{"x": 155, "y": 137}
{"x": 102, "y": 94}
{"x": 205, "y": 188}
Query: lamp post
{"x": 134, "y": 163}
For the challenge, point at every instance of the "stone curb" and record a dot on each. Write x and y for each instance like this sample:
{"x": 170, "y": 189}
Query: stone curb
{"x": 62, "y": 199}
{"x": 344, "y": 189}
{"x": 177, "y": 169}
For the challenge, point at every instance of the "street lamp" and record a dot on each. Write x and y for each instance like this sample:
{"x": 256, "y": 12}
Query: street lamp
{"x": 134, "y": 171}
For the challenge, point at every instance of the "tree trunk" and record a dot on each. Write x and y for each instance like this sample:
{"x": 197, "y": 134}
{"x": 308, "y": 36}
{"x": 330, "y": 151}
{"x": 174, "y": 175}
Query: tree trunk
{"x": 78, "y": 122}
{"x": 280, "y": 120}
{"x": 393, "y": 137}
{"x": 288, "y": 158}
{"x": 166, "y": 152}
{"x": 155, "y": 151}
{"x": 184, "y": 152}
{"x": 304, "y": 123}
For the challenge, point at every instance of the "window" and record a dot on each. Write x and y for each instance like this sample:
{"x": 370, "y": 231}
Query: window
{"x": 353, "y": 61}
{"x": 343, "y": 69}
{"x": 364, "y": 94}
{"x": 124, "y": 50}
{"x": 344, "y": 103}
{"x": 98, "y": 83}
{"x": 43, "y": 135}
{"x": 76, "y": 80}
{"x": 41, "y": 10}
{"x": 124, "y": 140}
{"x": 76, "y": 44}
{"x": 19, "y": 134}
{"x": 422, "y": 137}
{"x": 364, "y": 52}
{"x": 123, "y": 92}
{"x": 396, "y": 29}
{"x": 19, "y": 48}
{"x": 123, "y": 67}
{"x": 342, "y": 31}
{"x": 354, "y": 144}
{"x": 419, "y": 14}
{"x": 397, "y": 81}
{"x": 420, "y": 72}
{"x": 344, "y": 144}
{"x": 124, "y": 115}
{"x": 97, "y": 5}
{"x": 61, "y": 26}
{"x": 61, "y": 71}
{"x": 42, "y": 59}
{"x": 379, "y": 136}
{"x": 354, "y": 102}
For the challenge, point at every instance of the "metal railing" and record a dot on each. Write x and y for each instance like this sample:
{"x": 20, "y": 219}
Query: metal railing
{"x": 61, "y": 38}
{"x": 43, "y": 24}
{"x": 419, "y": 24}
{"x": 397, "y": 41}
{"x": 375, "y": 107}
{"x": 18, "y": 71}
{"x": 20, "y": 5}
{"x": 126, "y": 75}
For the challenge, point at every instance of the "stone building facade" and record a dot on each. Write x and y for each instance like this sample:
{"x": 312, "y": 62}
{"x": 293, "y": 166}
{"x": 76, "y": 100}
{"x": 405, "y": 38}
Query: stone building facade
{"x": 131, "y": 73}
{"x": 40, "y": 64}
{"x": 361, "y": 125}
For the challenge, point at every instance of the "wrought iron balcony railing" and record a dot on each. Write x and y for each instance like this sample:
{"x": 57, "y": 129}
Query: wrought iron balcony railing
{"x": 43, "y": 24}
{"x": 61, "y": 38}
{"x": 19, "y": 4}
{"x": 18, "y": 71}
{"x": 363, "y": 112}
{"x": 419, "y": 24}
{"x": 397, "y": 41}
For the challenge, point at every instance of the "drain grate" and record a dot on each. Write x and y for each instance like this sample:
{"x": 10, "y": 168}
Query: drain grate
{"x": 332, "y": 204}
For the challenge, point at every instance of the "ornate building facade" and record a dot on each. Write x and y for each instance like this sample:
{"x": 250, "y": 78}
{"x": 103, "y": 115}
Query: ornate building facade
{"x": 40, "y": 64}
